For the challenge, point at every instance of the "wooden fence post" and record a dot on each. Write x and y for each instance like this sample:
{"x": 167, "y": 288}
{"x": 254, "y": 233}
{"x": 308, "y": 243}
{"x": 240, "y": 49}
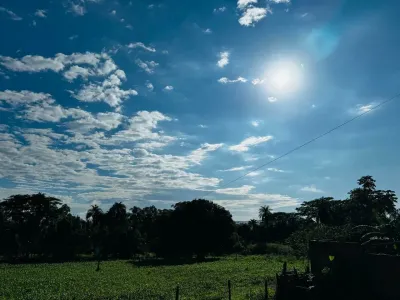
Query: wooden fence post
{"x": 229, "y": 290}
{"x": 266, "y": 289}
{"x": 177, "y": 293}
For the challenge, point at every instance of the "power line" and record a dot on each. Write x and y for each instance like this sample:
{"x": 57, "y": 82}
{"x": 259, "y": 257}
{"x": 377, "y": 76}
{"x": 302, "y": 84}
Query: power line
{"x": 306, "y": 143}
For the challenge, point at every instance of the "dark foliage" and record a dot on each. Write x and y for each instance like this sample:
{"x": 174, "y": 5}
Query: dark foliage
{"x": 34, "y": 227}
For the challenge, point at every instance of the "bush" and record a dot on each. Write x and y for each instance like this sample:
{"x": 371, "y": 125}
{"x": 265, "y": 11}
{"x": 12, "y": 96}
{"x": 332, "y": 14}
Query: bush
{"x": 278, "y": 249}
{"x": 268, "y": 248}
{"x": 299, "y": 240}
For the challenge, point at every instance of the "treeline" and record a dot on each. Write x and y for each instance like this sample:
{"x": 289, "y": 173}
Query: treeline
{"x": 38, "y": 226}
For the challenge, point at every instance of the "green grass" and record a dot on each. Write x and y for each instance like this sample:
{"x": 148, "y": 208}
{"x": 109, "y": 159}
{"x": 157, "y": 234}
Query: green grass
{"x": 79, "y": 280}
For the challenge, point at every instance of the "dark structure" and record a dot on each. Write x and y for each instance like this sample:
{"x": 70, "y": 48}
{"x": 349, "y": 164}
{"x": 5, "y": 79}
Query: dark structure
{"x": 342, "y": 270}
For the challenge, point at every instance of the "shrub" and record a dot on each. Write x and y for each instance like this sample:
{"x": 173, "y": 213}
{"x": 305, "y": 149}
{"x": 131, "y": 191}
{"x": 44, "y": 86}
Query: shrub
{"x": 268, "y": 248}
{"x": 278, "y": 249}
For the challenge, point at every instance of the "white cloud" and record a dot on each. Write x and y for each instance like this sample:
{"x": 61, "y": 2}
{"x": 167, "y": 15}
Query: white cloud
{"x": 141, "y": 45}
{"x": 311, "y": 188}
{"x": 129, "y": 26}
{"x": 168, "y": 88}
{"x": 280, "y": 1}
{"x": 31, "y": 63}
{"x": 148, "y": 66}
{"x": 276, "y": 170}
{"x": 77, "y": 71}
{"x": 76, "y": 9}
{"x": 223, "y": 59}
{"x": 73, "y": 37}
{"x": 113, "y": 12}
{"x": 225, "y": 80}
{"x": 236, "y": 169}
{"x": 254, "y": 174}
{"x": 41, "y": 13}
{"x": 243, "y": 190}
{"x": 108, "y": 91}
{"x": 87, "y": 122}
{"x": 203, "y": 126}
{"x": 257, "y": 81}
{"x": 242, "y": 4}
{"x": 272, "y": 99}
{"x": 219, "y": 10}
{"x": 149, "y": 86}
{"x": 363, "y": 108}
{"x": 253, "y": 15}
{"x": 11, "y": 14}
{"x": 99, "y": 64}
{"x": 15, "y": 98}
{"x": 247, "y": 206}
{"x": 255, "y": 123}
{"x": 251, "y": 141}
{"x": 207, "y": 31}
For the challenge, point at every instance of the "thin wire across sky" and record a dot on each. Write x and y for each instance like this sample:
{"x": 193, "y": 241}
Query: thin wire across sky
{"x": 304, "y": 144}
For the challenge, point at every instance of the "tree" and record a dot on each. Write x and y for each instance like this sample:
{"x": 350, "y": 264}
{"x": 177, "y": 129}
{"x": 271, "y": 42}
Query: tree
{"x": 370, "y": 206}
{"x": 94, "y": 215}
{"x": 265, "y": 213}
{"x": 197, "y": 227}
{"x": 318, "y": 210}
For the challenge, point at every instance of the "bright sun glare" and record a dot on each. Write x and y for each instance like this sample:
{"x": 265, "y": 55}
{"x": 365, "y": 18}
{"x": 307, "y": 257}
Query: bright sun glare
{"x": 284, "y": 76}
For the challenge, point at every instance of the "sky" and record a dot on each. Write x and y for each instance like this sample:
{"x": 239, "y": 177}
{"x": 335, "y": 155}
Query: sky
{"x": 156, "y": 102}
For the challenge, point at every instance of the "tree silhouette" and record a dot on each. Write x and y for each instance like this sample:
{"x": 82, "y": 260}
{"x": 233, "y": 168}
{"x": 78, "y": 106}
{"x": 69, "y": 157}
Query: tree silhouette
{"x": 42, "y": 227}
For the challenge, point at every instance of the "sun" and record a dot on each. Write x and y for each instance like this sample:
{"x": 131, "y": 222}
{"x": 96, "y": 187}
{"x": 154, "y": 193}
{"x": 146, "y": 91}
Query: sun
{"x": 284, "y": 76}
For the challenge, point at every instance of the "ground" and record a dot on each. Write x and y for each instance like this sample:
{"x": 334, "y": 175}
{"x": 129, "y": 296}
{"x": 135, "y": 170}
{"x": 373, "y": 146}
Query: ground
{"x": 79, "y": 280}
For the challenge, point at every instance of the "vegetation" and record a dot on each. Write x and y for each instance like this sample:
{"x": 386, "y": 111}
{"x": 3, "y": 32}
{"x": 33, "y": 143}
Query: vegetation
{"x": 206, "y": 280}
{"x": 38, "y": 228}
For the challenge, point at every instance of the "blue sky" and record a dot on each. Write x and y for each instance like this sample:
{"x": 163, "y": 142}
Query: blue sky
{"x": 153, "y": 102}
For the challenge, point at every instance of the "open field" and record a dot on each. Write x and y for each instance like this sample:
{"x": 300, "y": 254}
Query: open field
{"x": 79, "y": 280}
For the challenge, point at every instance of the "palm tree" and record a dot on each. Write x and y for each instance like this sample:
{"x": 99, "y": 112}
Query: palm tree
{"x": 94, "y": 215}
{"x": 117, "y": 211}
{"x": 253, "y": 224}
{"x": 265, "y": 213}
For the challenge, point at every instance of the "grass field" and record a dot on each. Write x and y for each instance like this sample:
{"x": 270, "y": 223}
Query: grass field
{"x": 79, "y": 280}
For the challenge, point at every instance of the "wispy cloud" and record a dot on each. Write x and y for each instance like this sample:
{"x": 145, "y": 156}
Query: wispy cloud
{"x": 257, "y": 81}
{"x": 77, "y": 9}
{"x": 148, "y": 66}
{"x": 225, "y": 80}
{"x": 10, "y": 14}
{"x": 219, "y": 10}
{"x": 272, "y": 99}
{"x": 249, "y": 142}
{"x": 311, "y": 189}
{"x": 254, "y": 174}
{"x": 73, "y": 37}
{"x": 41, "y": 13}
{"x": 223, "y": 59}
{"x": 241, "y": 4}
{"x": 243, "y": 190}
{"x": 253, "y": 15}
{"x": 207, "y": 31}
{"x": 149, "y": 86}
{"x": 276, "y": 170}
{"x": 141, "y": 45}
{"x": 242, "y": 168}
{"x": 363, "y": 108}
{"x": 203, "y": 126}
